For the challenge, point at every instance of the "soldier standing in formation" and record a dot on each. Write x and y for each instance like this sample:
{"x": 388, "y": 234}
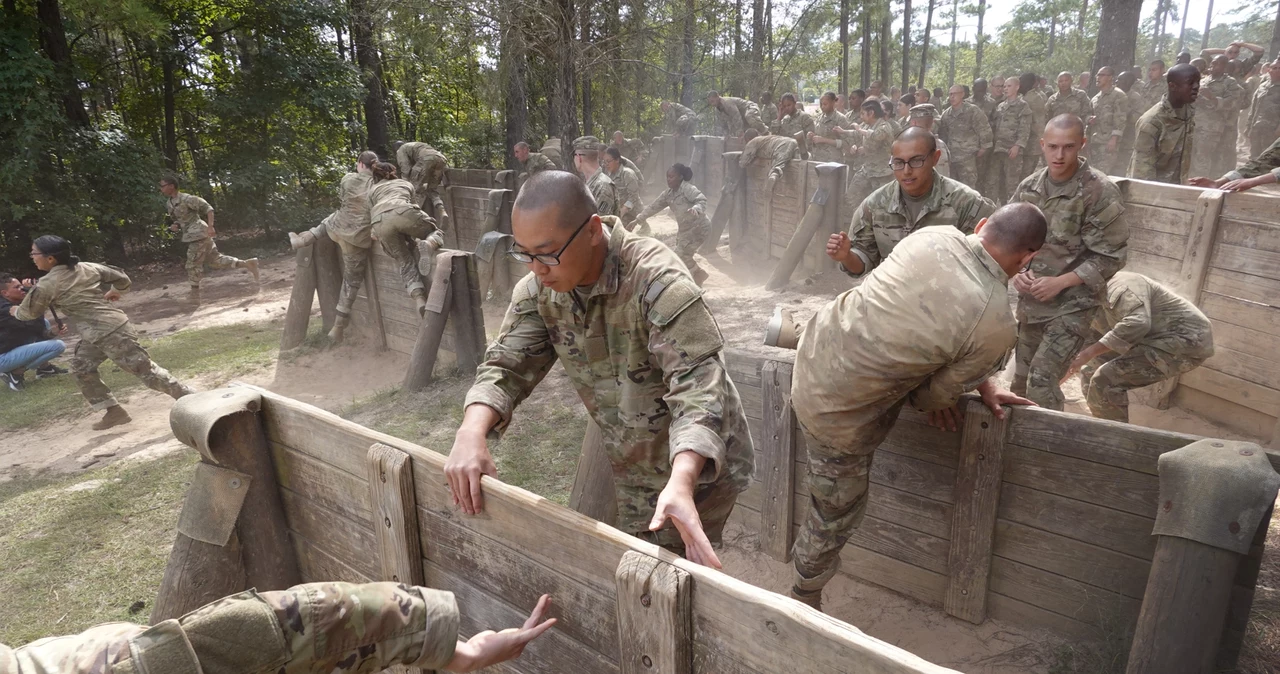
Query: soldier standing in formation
{"x": 397, "y": 222}
{"x": 1011, "y": 128}
{"x": 1038, "y": 103}
{"x": 1087, "y": 244}
{"x": 586, "y": 159}
{"x": 1127, "y": 82}
{"x": 1106, "y": 127}
{"x": 967, "y": 131}
{"x": 1155, "y": 87}
{"x": 823, "y": 141}
{"x": 1165, "y": 134}
{"x": 1068, "y": 100}
{"x": 193, "y": 218}
{"x": 629, "y": 325}
{"x": 793, "y": 123}
{"x": 923, "y": 116}
{"x": 628, "y": 185}
{"x": 424, "y": 167}
{"x": 1221, "y": 98}
{"x": 1263, "y": 125}
{"x": 689, "y": 208}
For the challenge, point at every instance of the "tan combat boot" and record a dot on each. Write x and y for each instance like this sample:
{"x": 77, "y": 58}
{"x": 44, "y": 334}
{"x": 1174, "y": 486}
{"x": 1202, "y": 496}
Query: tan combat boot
{"x": 252, "y": 265}
{"x": 783, "y": 331}
{"x": 811, "y": 599}
{"x": 301, "y": 240}
{"x": 194, "y": 296}
{"x": 339, "y": 327}
{"x": 420, "y": 298}
{"x": 114, "y": 417}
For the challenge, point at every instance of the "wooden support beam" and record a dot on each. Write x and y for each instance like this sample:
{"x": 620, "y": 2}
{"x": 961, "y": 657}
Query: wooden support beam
{"x": 304, "y": 292}
{"x": 375, "y": 304}
{"x": 328, "y": 264}
{"x": 593, "y": 493}
{"x": 426, "y": 348}
{"x": 973, "y": 519}
{"x": 814, "y": 218}
{"x": 655, "y": 616}
{"x": 779, "y": 469}
{"x": 468, "y": 313}
{"x": 395, "y": 516}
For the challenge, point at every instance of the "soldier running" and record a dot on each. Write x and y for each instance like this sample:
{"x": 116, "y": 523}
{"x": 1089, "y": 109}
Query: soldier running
{"x": 689, "y": 208}
{"x": 193, "y": 217}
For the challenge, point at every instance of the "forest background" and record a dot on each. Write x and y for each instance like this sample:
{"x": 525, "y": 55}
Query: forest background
{"x": 261, "y": 105}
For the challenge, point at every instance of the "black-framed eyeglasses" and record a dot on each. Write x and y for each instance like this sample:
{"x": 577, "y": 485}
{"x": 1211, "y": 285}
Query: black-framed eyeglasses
{"x": 549, "y": 259}
{"x": 914, "y": 162}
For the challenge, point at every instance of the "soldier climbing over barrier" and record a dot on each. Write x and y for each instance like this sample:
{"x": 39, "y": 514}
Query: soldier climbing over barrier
{"x": 193, "y": 218}
{"x": 531, "y": 163}
{"x": 629, "y": 325}
{"x": 424, "y": 167}
{"x": 689, "y": 208}
{"x": 397, "y": 222}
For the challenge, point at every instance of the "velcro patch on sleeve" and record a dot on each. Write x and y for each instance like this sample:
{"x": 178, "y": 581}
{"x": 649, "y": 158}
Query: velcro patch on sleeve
{"x": 668, "y": 296}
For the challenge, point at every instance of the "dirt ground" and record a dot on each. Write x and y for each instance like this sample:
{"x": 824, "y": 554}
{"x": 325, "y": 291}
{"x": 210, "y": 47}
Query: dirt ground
{"x": 334, "y": 378}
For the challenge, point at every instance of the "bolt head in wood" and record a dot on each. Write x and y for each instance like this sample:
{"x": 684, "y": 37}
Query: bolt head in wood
{"x": 648, "y": 662}
{"x": 645, "y": 600}
{"x": 234, "y": 483}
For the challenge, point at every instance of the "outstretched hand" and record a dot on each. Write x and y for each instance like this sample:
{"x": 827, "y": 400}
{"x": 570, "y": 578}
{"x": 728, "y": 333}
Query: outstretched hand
{"x": 676, "y": 504}
{"x": 490, "y": 648}
{"x": 994, "y": 397}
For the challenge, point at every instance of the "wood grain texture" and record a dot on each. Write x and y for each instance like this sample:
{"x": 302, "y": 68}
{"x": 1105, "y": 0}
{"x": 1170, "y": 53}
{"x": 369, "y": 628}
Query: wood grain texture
{"x": 1100, "y": 484}
{"x": 395, "y": 515}
{"x": 593, "y": 493}
{"x": 973, "y": 518}
{"x": 301, "y": 297}
{"x": 328, "y": 266}
{"x": 374, "y": 305}
{"x": 655, "y": 616}
{"x": 451, "y": 272}
{"x": 779, "y": 467}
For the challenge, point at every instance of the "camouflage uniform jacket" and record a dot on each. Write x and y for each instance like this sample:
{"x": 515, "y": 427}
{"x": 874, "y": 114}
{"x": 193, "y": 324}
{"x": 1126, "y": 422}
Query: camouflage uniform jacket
{"x": 352, "y": 216}
{"x": 605, "y": 193}
{"x": 1076, "y": 103}
{"x": 779, "y": 150}
{"x": 687, "y": 203}
{"x": 1012, "y": 124}
{"x": 632, "y": 148}
{"x": 1152, "y": 92}
{"x": 1216, "y": 115}
{"x": 554, "y": 150}
{"x": 1086, "y": 236}
{"x": 987, "y": 105}
{"x": 1162, "y": 146}
{"x": 733, "y": 114}
{"x": 628, "y": 187}
{"x": 1267, "y": 161}
{"x": 1138, "y": 310}
{"x": 676, "y": 113}
{"x": 966, "y": 130}
{"x": 769, "y": 114}
{"x": 634, "y": 169}
{"x": 189, "y": 211}
{"x": 874, "y": 147}
{"x": 881, "y": 222}
{"x": 930, "y": 323}
{"x": 824, "y": 125}
{"x": 318, "y": 628}
{"x": 645, "y": 355}
{"x": 1137, "y": 106}
{"x": 1264, "y": 112}
{"x": 415, "y": 154}
{"x": 1110, "y": 110}
{"x": 537, "y": 163}
{"x": 1039, "y": 104}
{"x": 390, "y": 196}
{"x": 800, "y": 122}
{"x": 76, "y": 292}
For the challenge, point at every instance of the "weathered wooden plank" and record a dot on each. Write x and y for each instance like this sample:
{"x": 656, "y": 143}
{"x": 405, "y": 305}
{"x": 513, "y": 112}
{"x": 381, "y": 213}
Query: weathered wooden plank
{"x": 779, "y": 469}
{"x": 1232, "y": 415}
{"x": 1154, "y": 242}
{"x": 1104, "y": 527}
{"x": 1100, "y": 484}
{"x": 395, "y": 519}
{"x": 1097, "y": 566}
{"x": 973, "y": 517}
{"x": 1262, "y": 263}
{"x": 923, "y": 585}
{"x": 1234, "y": 389}
{"x": 1252, "y": 206}
{"x": 336, "y": 534}
{"x": 912, "y": 475}
{"x": 1018, "y": 612}
{"x": 1253, "y": 235}
{"x": 1260, "y": 371}
{"x": 655, "y": 616}
{"x": 1178, "y": 197}
{"x": 1107, "y": 442}
{"x": 900, "y": 543}
{"x": 1162, "y": 269}
{"x": 1247, "y": 341}
{"x": 1159, "y": 219}
{"x": 320, "y": 482}
{"x": 1062, "y": 595}
{"x": 1232, "y": 283}
{"x": 317, "y": 566}
{"x": 924, "y": 442}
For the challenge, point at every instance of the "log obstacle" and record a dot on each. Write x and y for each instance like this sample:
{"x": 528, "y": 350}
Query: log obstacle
{"x": 593, "y": 491}
{"x": 823, "y": 212}
{"x": 328, "y": 268}
{"x": 298, "y": 315}
{"x": 454, "y": 293}
{"x": 729, "y": 202}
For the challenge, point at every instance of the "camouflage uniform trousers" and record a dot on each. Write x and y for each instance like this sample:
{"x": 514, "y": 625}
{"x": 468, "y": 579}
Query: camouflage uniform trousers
{"x": 1044, "y": 353}
{"x": 1002, "y": 177}
{"x": 1109, "y": 377}
{"x": 838, "y": 479}
{"x": 397, "y": 233}
{"x": 965, "y": 169}
{"x": 204, "y": 253}
{"x": 714, "y": 504}
{"x": 122, "y": 347}
{"x": 689, "y": 238}
{"x": 355, "y": 260}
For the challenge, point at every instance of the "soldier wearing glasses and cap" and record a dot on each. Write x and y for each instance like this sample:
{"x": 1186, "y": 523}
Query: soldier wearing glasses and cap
{"x": 628, "y": 323}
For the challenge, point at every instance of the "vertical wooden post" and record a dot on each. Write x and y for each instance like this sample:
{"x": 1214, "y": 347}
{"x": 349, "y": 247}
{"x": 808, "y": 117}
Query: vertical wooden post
{"x": 395, "y": 519}
{"x": 451, "y": 227}
{"x": 328, "y": 264}
{"x": 593, "y": 493}
{"x": 426, "y": 348}
{"x": 375, "y": 304}
{"x": 304, "y": 293}
{"x": 655, "y": 616}
{"x": 740, "y": 238}
{"x": 814, "y": 219}
{"x": 973, "y": 519}
{"x": 1241, "y": 604}
{"x": 468, "y": 314}
{"x": 779, "y": 467}
{"x": 724, "y": 208}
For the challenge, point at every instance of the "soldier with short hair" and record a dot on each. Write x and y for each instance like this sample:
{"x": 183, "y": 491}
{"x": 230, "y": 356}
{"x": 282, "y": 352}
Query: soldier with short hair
{"x": 530, "y": 163}
{"x": 1263, "y": 125}
{"x": 1106, "y": 127}
{"x": 987, "y": 103}
{"x": 769, "y": 111}
{"x": 193, "y": 218}
{"x": 793, "y": 123}
{"x": 678, "y": 119}
{"x": 1068, "y": 100}
{"x": 967, "y": 131}
{"x": 778, "y": 149}
{"x": 736, "y": 114}
{"x": 586, "y": 160}
{"x": 824, "y": 142}
{"x": 923, "y": 116}
{"x": 1165, "y": 134}
{"x": 1221, "y": 99}
{"x": 1152, "y": 334}
{"x": 1012, "y": 129}
{"x": 631, "y": 148}
{"x": 424, "y": 167}
{"x": 622, "y": 315}
{"x": 1155, "y": 86}
{"x": 1038, "y": 103}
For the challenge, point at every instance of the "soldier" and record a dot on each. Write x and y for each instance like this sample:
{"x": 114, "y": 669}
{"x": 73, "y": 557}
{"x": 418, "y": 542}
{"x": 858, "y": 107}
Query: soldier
{"x": 424, "y": 167}
{"x": 1232, "y": 52}
{"x": 769, "y": 111}
{"x": 921, "y": 96}
{"x": 928, "y": 324}
{"x": 313, "y": 628}
{"x": 1106, "y": 126}
{"x": 398, "y": 222}
{"x": 1264, "y": 112}
{"x": 736, "y": 114}
{"x": 630, "y": 327}
{"x": 874, "y": 92}
{"x": 937, "y": 100}
{"x": 193, "y": 217}
{"x": 793, "y": 123}
{"x": 1086, "y": 245}
{"x": 1262, "y": 170}
{"x": 1068, "y": 100}
{"x": 984, "y": 102}
{"x": 1165, "y": 133}
{"x": 689, "y": 208}
{"x": 904, "y": 113}
{"x": 75, "y": 287}
{"x": 922, "y": 116}
{"x": 586, "y": 159}
{"x": 349, "y": 228}
{"x": 1038, "y": 103}
{"x": 1012, "y": 129}
{"x": 854, "y": 103}
{"x": 919, "y": 197}
{"x": 1221, "y": 98}
{"x": 824, "y": 142}
{"x": 678, "y": 120}
{"x": 872, "y": 146}
{"x": 779, "y": 150}
{"x": 554, "y": 150}
{"x": 530, "y": 163}
{"x": 630, "y": 148}
{"x": 1155, "y": 87}
{"x": 1127, "y": 82}
{"x": 628, "y": 185}
{"x": 968, "y": 133}
{"x": 1153, "y": 334}
{"x": 1085, "y": 79}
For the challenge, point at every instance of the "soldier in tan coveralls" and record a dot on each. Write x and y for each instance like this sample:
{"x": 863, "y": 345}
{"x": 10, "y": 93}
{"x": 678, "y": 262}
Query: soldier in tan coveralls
{"x": 398, "y": 222}
{"x": 689, "y": 208}
{"x": 1106, "y": 127}
{"x": 424, "y": 167}
{"x": 586, "y": 159}
{"x": 930, "y": 323}
{"x": 823, "y": 141}
{"x": 1152, "y": 335}
{"x": 317, "y": 628}
{"x": 736, "y": 114}
{"x": 1012, "y": 128}
{"x": 629, "y": 325}
{"x": 193, "y": 217}
{"x": 967, "y": 131}
{"x": 75, "y": 288}
{"x": 1220, "y": 101}
{"x": 1164, "y": 137}
{"x": 1088, "y": 242}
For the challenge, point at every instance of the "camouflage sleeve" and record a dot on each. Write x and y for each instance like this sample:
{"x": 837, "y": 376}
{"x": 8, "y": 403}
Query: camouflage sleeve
{"x": 202, "y": 207}
{"x": 1024, "y": 127}
{"x": 699, "y": 203}
{"x": 656, "y": 207}
{"x": 686, "y": 344}
{"x": 517, "y": 359}
{"x": 984, "y": 355}
{"x": 986, "y": 138}
{"x": 403, "y": 161}
{"x": 1143, "y": 164}
{"x": 1266, "y": 162}
{"x": 1254, "y": 59}
{"x": 37, "y": 301}
{"x": 607, "y": 204}
{"x": 973, "y": 213}
{"x": 863, "y": 238}
{"x": 1106, "y": 239}
{"x": 113, "y": 277}
{"x": 1132, "y": 327}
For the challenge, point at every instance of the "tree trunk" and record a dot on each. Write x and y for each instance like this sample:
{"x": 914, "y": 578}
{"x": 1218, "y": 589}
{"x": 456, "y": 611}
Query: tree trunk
{"x": 1208, "y": 25}
{"x": 865, "y": 74}
{"x": 1157, "y": 25}
{"x": 514, "y": 71}
{"x": 686, "y": 56}
{"x": 906, "y": 45}
{"x": 886, "y": 37}
{"x": 1118, "y": 24}
{"x": 757, "y": 45}
{"x": 564, "y": 116}
{"x": 167, "y": 55}
{"x": 982, "y": 41}
{"x": 364, "y": 44}
{"x": 735, "y": 73}
{"x": 955, "y": 23}
{"x": 53, "y": 39}
{"x": 588, "y": 103}
{"x": 844, "y": 48}
{"x": 1084, "y": 9}
{"x": 1182, "y": 33}
{"x": 1275, "y": 35}
{"x": 1053, "y": 35}
{"x": 924, "y": 49}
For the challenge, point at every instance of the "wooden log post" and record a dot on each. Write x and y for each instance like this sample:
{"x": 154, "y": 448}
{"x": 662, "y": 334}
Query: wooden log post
{"x": 426, "y": 349}
{"x": 395, "y": 514}
{"x": 304, "y": 292}
{"x": 467, "y": 312}
{"x": 728, "y": 202}
{"x": 593, "y": 493}
{"x": 655, "y": 616}
{"x": 973, "y": 519}
{"x": 1241, "y": 604}
{"x": 375, "y": 305}
{"x": 739, "y": 238}
{"x": 779, "y": 469}
{"x": 328, "y": 264}
{"x": 232, "y": 533}
{"x": 814, "y": 219}
{"x": 1213, "y": 494}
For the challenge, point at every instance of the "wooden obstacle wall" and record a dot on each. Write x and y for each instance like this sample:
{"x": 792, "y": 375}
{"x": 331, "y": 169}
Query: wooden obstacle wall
{"x": 1044, "y": 519}
{"x": 769, "y": 226}
{"x": 363, "y": 506}
{"x": 1223, "y": 253}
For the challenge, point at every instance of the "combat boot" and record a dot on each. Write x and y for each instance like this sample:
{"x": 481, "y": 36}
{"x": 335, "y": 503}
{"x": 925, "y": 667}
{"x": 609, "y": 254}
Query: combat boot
{"x": 811, "y": 599}
{"x": 339, "y": 327}
{"x": 301, "y": 240}
{"x": 252, "y": 265}
{"x": 783, "y": 331}
{"x": 114, "y": 417}
{"x": 420, "y": 298}
{"x": 194, "y": 296}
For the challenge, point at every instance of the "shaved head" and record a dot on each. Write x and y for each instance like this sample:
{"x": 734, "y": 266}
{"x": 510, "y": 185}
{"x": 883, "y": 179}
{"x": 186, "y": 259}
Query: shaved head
{"x": 1183, "y": 72}
{"x": 1015, "y": 229}
{"x": 914, "y": 134}
{"x": 558, "y": 194}
{"x": 1067, "y": 122}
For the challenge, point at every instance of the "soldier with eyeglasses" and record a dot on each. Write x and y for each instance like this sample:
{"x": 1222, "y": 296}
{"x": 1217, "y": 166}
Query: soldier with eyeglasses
{"x": 918, "y": 197}
{"x": 624, "y": 318}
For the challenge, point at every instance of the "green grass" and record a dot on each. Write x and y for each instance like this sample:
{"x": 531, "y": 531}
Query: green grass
{"x": 75, "y": 559}
{"x": 229, "y": 350}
